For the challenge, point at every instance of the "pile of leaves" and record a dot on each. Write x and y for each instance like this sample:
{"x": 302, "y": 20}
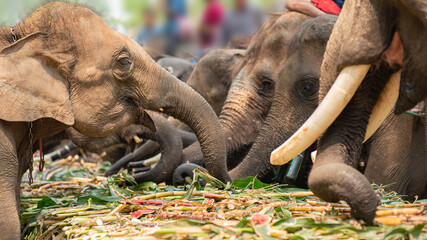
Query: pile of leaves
{"x": 71, "y": 200}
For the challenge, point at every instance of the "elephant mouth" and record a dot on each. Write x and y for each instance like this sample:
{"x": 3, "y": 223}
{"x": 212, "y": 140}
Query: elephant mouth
{"x": 144, "y": 117}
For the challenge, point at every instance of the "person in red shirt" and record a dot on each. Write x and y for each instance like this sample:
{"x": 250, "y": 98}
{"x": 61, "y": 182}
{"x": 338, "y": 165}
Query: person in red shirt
{"x": 211, "y": 23}
{"x": 315, "y": 8}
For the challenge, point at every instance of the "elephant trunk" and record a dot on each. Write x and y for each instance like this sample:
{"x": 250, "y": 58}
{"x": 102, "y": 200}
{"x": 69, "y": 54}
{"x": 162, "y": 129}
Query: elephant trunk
{"x": 277, "y": 128}
{"x": 334, "y": 181}
{"x": 171, "y": 146}
{"x": 274, "y": 131}
{"x": 180, "y": 101}
{"x": 243, "y": 114}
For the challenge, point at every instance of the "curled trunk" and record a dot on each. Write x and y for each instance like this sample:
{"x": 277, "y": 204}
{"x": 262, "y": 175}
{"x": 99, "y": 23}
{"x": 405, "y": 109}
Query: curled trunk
{"x": 171, "y": 147}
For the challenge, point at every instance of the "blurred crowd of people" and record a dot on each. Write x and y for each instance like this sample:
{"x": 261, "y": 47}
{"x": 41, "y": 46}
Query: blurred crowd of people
{"x": 217, "y": 27}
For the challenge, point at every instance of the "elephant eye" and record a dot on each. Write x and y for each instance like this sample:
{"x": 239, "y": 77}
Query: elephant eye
{"x": 266, "y": 87}
{"x": 309, "y": 88}
{"x": 123, "y": 66}
{"x": 124, "y": 61}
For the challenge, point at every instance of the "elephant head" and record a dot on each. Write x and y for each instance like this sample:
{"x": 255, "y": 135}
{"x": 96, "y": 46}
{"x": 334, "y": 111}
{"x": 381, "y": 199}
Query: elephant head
{"x": 251, "y": 92}
{"x": 69, "y": 65}
{"x": 213, "y": 74}
{"x": 374, "y": 37}
{"x": 295, "y": 98}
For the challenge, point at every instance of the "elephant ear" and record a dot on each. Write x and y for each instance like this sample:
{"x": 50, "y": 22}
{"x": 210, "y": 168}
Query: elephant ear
{"x": 31, "y": 85}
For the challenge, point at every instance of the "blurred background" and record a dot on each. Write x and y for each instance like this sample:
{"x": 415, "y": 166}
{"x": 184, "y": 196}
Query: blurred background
{"x": 184, "y": 28}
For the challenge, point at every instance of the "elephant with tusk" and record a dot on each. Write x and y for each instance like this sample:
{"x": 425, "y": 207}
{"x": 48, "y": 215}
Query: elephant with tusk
{"x": 384, "y": 41}
{"x": 64, "y": 66}
{"x": 394, "y": 153}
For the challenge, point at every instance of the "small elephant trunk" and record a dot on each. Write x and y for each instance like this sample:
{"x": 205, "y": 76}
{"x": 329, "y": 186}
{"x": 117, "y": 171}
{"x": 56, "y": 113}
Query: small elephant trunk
{"x": 180, "y": 101}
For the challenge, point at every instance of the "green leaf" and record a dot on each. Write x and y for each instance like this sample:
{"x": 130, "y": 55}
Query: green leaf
{"x": 49, "y": 201}
{"x": 114, "y": 188}
{"x": 243, "y": 223}
{"x": 417, "y": 230}
{"x": 284, "y": 213}
{"x": 249, "y": 183}
{"x": 99, "y": 196}
{"x": 199, "y": 174}
{"x": 397, "y": 233}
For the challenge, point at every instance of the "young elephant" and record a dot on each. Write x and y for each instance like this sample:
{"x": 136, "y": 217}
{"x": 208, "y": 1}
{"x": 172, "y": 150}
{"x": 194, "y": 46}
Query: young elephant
{"x": 211, "y": 78}
{"x": 375, "y": 37}
{"x": 63, "y": 67}
{"x": 252, "y": 89}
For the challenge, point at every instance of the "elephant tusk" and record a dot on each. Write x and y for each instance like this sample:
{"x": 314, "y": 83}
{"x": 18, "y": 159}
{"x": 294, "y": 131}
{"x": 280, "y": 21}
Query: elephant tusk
{"x": 328, "y": 110}
{"x": 385, "y": 104}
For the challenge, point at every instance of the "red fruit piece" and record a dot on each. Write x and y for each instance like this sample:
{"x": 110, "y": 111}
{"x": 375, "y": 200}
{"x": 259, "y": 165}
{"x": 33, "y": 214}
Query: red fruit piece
{"x": 259, "y": 219}
{"x": 139, "y": 213}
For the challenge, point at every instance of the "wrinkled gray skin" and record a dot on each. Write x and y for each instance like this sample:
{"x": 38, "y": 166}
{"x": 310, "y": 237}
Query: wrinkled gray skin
{"x": 76, "y": 54}
{"x": 153, "y": 146}
{"x": 363, "y": 32}
{"x": 251, "y": 93}
{"x": 180, "y": 68}
{"x": 117, "y": 145}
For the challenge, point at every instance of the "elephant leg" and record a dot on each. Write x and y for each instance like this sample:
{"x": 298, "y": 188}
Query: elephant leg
{"x": 9, "y": 187}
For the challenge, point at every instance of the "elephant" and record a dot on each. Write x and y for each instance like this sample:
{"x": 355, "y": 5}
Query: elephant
{"x": 374, "y": 63}
{"x": 213, "y": 74}
{"x": 65, "y": 67}
{"x": 294, "y": 99}
{"x": 180, "y": 68}
{"x": 211, "y": 78}
{"x": 252, "y": 89}
{"x": 398, "y": 142}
